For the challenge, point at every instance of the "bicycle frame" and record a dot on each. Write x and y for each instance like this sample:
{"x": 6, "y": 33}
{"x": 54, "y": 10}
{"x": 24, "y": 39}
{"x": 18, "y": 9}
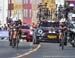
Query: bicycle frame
{"x": 62, "y": 35}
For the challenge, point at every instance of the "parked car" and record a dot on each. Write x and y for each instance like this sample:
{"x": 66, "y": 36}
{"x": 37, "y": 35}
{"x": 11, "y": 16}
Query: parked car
{"x": 47, "y": 30}
{"x": 26, "y": 32}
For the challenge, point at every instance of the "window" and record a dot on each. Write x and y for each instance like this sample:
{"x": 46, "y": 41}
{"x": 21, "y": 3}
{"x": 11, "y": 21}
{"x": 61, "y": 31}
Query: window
{"x": 9, "y": 13}
{"x": 37, "y": 2}
{"x": 12, "y": 1}
{"x": 25, "y": 13}
{"x": 25, "y": 1}
{"x": 30, "y": 13}
{"x": 49, "y": 24}
{"x": 9, "y": 1}
{"x": 25, "y": 27}
{"x": 53, "y": 1}
{"x": 19, "y": 2}
{"x": 30, "y": 1}
{"x": 12, "y": 12}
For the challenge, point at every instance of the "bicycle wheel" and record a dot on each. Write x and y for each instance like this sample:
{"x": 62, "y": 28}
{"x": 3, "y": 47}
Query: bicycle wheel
{"x": 62, "y": 43}
{"x": 13, "y": 43}
{"x": 74, "y": 42}
{"x": 17, "y": 41}
{"x": 10, "y": 41}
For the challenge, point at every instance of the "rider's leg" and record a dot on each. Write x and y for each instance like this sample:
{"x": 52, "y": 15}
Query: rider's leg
{"x": 65, "y": 38}
{"x": 59, "y": 42}
{"x": 10, "y": 39}
{"x": 60, "y": 37}
{"x": 11, "y": 42}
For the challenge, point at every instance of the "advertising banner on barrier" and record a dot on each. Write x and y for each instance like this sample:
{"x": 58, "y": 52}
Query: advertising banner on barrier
{"x": 4, "y": 33}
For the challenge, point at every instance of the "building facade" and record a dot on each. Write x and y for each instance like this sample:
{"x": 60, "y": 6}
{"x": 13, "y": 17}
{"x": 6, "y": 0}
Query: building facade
{"x": 21, "y": 9}
{"x": 18, "y": 9}
{"x": 27, "y": 11}
{"x": 3, "y": 11}
{"x": 10, "y": 7}
{"x": 35, "y": 4}
{"x": 51, "y": 5}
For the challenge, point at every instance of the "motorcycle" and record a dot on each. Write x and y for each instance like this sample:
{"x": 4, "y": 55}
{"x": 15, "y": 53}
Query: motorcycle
{"x": 72, "y": 38}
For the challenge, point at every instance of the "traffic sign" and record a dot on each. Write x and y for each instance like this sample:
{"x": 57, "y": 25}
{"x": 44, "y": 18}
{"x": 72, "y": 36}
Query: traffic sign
{"x": 4, "y": 33}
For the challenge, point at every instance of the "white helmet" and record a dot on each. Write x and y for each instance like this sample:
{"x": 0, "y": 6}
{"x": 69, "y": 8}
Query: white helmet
{"x": 71, "y": 5}
{"x": 12, "y": 17}
{"x": 62, "y": 20}
{"x": 73, "y": 15}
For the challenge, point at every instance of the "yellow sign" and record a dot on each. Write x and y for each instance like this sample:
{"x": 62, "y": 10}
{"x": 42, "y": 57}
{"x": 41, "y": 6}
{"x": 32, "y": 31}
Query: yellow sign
{"x": 51, "y": 37}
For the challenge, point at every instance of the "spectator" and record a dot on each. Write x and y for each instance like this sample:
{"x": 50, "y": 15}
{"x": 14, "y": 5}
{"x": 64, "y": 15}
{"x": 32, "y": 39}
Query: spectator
{"x": 34, "y": 26}
{"x": 60, "y": 12}
{"x": 0, "y": 27}
{"x": 63, "y": 19}
{"x": 5, "y": 27}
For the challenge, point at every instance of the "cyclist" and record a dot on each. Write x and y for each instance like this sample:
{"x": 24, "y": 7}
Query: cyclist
{"x": 63, "y": 30}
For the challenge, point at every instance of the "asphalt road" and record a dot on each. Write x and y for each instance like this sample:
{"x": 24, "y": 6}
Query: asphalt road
{"x": 52, "y": 50}
{"x": 7, "y": 51}
{"x": 46, "y": 50}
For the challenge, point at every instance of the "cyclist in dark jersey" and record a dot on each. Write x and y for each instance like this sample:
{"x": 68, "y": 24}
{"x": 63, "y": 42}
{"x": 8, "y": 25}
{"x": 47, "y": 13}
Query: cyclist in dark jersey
{"x": 63, "y": 30}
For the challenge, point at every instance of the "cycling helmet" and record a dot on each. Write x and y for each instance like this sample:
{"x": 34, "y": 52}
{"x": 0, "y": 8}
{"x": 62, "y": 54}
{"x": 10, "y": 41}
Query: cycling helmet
{"x": 62, "y": 20}
{"x": 73, "y": 15}
{"x": 71, "y": 5}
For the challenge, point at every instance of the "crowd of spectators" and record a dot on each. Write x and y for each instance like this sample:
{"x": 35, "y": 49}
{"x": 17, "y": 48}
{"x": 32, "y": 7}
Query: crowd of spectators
{"x": 3, "y": 27}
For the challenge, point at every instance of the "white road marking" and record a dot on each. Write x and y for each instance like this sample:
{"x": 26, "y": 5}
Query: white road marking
{"x": 29, "y": 52}
{"x": 13, "y": 57}
{"x": 8, "y": 40}
{"x": 4, "y": 40}
{"x": 58, "y": 56}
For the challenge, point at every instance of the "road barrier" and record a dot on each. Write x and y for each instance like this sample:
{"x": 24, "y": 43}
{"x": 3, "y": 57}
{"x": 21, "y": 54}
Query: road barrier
{"x": 4, "y": 34}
